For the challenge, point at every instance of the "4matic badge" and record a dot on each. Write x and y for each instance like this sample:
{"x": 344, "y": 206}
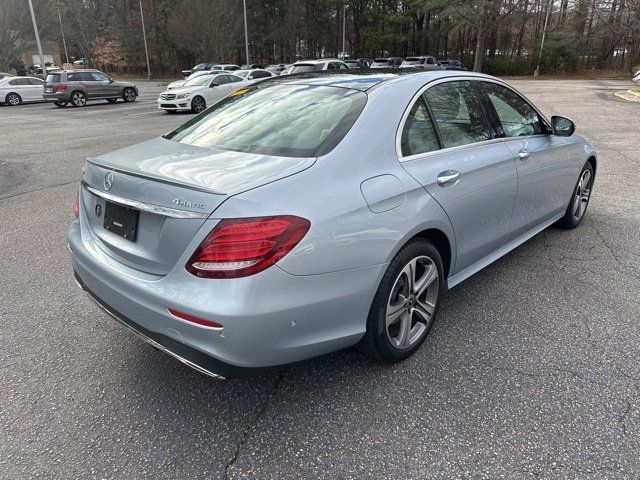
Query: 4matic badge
{"x": 184, "y": 203}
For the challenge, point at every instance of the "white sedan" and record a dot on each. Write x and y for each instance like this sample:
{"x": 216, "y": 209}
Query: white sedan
{"x": 200, "y": 92}
{"x": 17, "y": 90}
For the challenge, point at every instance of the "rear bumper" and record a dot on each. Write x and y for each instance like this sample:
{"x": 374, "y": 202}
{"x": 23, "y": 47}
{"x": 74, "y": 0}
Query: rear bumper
{"x": 269, "y": 319}
{"x": 60, "y": 96}
{"x": 189, "y": 356}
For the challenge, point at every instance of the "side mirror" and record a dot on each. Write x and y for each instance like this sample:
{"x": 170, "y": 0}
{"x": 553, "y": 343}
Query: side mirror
{"x": 250, "y": 77}
{"x": 110, "y": 80}
{"x": 214, "y": 84}
{"x": 562, "y": 126}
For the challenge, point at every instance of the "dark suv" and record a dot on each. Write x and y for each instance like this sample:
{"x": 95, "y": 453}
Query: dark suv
{"x": 79, "y": 86}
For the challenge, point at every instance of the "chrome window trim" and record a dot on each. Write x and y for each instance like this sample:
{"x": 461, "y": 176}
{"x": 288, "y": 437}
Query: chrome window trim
{"x": 145, "y": 207}
{"x": 470, "y": 78}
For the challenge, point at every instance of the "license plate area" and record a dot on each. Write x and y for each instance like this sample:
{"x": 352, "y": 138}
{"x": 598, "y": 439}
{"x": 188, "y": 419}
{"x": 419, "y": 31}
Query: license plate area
{"x": 122, "y": 221}
{"x": 48, "y": 90}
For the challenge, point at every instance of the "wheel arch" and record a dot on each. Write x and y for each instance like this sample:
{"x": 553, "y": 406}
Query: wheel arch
{"x": 594, "y": 163}
{"x": 442, "y": 244}
{"x": 6, "y": 97}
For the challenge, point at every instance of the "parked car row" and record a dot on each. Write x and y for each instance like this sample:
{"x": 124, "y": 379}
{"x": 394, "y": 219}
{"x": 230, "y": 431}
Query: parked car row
{"x": 422, "y": 62}
{"x": 210, "y": 66}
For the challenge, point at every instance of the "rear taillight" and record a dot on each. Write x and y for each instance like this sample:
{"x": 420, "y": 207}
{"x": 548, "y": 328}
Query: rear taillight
{"x": 245, "y": 246}
{"x": 76, "y": 206}
{"x": 61, "y": 87}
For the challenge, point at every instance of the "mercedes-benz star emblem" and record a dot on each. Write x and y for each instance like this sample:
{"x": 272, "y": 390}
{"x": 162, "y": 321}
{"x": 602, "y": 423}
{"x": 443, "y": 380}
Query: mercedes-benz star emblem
{"x": 108, "y": 181}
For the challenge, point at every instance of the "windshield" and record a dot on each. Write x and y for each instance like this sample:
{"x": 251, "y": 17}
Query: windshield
{"x": 283, "y": 120}
{"x": 242, "y": 73}
{"x": 199, "y": 66}
{"x": 303, "y": 68}
{"x": 198, "y": 81}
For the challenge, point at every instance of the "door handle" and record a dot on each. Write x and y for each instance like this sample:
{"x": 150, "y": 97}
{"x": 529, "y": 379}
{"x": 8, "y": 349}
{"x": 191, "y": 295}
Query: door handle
{"x": 448, "y": 177}
{"x": 524, "y": 154}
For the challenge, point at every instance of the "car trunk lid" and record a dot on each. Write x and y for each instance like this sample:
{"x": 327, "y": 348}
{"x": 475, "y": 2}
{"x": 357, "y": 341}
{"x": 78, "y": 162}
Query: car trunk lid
{"x": 174, "y": 188}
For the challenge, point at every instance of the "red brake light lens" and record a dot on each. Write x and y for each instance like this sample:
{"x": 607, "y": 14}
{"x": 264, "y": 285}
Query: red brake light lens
{"x": 241, "y": 247}
{"x": 76, "y": 206}
{"x": 61, "y": 87}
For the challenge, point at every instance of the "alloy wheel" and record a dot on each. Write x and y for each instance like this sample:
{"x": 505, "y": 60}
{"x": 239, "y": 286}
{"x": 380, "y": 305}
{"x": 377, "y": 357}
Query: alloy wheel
{"x": 581, "y": 195}
{"x": 13, "y": 99}
{"x": 79, "y": 99}
{"x": 412, "y": 302}
{"x": 198, "y": 104}
{"x": 129, "y": 95}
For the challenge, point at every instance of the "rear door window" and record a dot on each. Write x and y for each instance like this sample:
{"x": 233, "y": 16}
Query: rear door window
{"x": 35, "y": 81}
{"x": 458, "y": 113}
{"x": 418, "y": 134}
{"x": 19, "y": 82}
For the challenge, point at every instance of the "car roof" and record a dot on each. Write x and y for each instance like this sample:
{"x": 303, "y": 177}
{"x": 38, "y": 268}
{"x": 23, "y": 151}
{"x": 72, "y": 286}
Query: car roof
{"x": 78, "y": 70}
{"x": 364, "y": 80}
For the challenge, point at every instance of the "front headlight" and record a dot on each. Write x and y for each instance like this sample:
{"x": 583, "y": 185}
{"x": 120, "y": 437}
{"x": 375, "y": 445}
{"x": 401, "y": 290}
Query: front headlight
{"x": 181, "y": 96}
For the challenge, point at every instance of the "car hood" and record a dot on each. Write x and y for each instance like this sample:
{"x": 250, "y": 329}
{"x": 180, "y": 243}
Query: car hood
{"x": 210, "y": 169}
{"x": 176, "y": 84}
{"x": 183, "y": 89}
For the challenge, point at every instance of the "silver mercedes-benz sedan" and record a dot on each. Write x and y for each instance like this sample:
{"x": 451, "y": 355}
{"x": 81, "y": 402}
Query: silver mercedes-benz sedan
{"x": 305, "y": 215}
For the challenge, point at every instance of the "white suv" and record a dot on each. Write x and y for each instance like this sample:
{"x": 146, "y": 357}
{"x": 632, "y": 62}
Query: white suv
{"x": 304, "y": 66}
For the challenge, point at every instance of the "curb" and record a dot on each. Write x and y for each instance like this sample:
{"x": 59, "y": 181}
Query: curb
{"x": 628, "y": 96}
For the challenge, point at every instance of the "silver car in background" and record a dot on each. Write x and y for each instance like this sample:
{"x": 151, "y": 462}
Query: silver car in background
{"x": 17, "y": 90}
{"x": 299, "y": 216}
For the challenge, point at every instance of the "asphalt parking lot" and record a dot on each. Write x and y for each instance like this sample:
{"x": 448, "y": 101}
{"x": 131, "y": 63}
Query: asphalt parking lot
{"x": 532, "y": 371}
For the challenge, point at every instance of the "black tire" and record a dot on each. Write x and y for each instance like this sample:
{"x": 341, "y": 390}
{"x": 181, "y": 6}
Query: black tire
{"x": 129, "y": 95}
{"x": 78, "y": 98}
{"x": 112, "y": 100}
{"x": 198, "y": 104}
{"x": 13, "y": 99}
{"x": 60, "y": 104}
{"x": 378, "y": 340}
{"x": 574, "y": 214}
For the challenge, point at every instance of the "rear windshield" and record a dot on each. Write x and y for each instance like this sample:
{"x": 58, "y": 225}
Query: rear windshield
{"x": 53, "y": 78}
{"x": 303, "y": 68}
{"x": 283, "y": 120}
{"x": 381, "y": 61}
{"x": 414, "y": 60}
